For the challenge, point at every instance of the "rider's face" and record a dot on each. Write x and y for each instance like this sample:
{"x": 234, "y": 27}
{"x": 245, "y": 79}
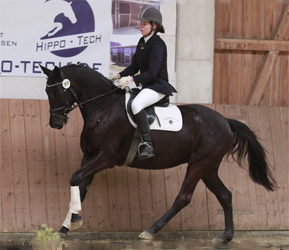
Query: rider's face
{"x": 145, "y": 28}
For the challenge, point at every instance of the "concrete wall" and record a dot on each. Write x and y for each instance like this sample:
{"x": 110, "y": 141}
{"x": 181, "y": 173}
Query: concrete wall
{"x": 195, "y": 50}
{"x": 169, "y": 13}
{"x": 13, "y": 87}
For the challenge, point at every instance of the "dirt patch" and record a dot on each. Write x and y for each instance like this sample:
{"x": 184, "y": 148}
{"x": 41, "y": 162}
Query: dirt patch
{"x": 180, "y": 240}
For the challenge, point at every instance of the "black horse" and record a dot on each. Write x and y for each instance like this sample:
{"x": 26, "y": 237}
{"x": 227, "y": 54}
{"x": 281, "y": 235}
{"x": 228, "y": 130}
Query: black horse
{"x": 205, "y": 138}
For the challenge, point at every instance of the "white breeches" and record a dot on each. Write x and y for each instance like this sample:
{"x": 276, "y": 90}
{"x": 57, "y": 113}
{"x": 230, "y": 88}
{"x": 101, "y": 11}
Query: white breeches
{"x": 145, "y": 98}
{"x": 74, "y": 205}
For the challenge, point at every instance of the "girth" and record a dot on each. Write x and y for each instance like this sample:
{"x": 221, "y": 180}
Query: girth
{"x": 150, "y": 110}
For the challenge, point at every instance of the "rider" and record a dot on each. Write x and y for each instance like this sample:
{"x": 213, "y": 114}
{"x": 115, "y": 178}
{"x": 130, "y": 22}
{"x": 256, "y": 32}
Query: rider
{"x": 150, "y": 59}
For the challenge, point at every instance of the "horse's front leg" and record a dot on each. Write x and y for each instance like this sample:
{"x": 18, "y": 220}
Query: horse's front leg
{"x": 79, "y": 184}
{"x": 58, "y": 26}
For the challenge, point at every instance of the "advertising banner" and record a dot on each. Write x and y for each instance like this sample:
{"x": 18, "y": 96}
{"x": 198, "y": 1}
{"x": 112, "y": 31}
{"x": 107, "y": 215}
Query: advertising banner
{"x": 54, "y": 32}
{"x": 101, "y": 34}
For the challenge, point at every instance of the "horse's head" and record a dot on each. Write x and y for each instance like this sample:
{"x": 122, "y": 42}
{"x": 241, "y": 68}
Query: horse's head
{"x": 63, "y": 90}
{"x": 59, "y": 100}
{"x": 70, "y": 14}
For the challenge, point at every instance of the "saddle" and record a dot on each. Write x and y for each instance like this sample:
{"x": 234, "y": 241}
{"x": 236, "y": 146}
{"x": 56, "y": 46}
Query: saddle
{"x": 162, "y": 116}
{"x": 150, "y": 110}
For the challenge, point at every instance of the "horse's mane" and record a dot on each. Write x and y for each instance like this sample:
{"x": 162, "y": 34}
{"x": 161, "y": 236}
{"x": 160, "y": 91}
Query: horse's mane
{"x": 87, "y": 70}
{"x": 82, "y": 67}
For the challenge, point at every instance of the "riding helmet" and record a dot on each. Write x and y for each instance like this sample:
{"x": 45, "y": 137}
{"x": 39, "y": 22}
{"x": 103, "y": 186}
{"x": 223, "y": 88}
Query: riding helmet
{"x": 150, "y": 14}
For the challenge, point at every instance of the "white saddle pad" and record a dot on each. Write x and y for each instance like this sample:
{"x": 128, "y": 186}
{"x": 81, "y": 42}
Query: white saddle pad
{"x": 170, "y": 117}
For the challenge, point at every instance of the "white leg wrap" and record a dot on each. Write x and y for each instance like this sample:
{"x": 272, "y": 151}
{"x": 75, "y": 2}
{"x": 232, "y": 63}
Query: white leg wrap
{"x": 74, "y": 205}
{"x": 67, "y": 221}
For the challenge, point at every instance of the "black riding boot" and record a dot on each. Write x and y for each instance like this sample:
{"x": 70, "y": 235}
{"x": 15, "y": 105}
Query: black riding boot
{"x": 145, "y": 148}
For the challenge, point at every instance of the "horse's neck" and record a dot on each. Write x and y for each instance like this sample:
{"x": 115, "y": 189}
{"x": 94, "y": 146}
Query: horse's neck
{"x": 92, "y": 89}
{"x": 88, "y": 89}
{"x": 88, "y": 83}
{"x": 100, "y": 102}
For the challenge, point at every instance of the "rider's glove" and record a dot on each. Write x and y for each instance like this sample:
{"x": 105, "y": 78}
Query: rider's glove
{"x": 116, "y": 83}
{"x": 113, "y": 77}
{"x": 124, "y": 81}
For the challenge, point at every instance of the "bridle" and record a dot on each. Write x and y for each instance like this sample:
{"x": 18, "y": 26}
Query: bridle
{"x": 68, "y": 108}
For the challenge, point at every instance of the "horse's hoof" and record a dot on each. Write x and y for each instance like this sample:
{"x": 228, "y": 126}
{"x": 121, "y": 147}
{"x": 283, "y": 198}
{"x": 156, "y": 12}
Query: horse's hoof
{"x": 223, "y": 238}
{"x": 146, "y": 235}
{"x": 76, "y": 223}
{"x": 63, "y": 232}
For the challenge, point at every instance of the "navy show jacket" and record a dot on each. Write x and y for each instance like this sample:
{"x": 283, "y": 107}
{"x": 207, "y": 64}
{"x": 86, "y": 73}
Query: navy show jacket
{"x": 150, "y": 59}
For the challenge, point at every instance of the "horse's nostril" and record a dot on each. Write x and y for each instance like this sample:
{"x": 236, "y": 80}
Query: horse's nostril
{"x": 59, "y": 126}
{"x": 56, "y": 126}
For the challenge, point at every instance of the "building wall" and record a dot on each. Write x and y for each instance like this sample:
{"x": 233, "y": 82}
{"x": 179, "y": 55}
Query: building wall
{"x": 251, "y": 53}
{"x": 37, "y": 163}
{"x": 195, "y": 50}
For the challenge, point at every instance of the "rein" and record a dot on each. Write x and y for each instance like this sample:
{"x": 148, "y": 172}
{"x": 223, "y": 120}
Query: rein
{"x": 67, "y": 109}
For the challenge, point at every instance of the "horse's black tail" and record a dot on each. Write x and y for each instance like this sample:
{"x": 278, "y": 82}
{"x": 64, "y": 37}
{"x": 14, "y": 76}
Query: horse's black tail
{"x": 246, "y": 143}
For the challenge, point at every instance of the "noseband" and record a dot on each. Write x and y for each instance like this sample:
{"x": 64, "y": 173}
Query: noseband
{"x": 67, "y": 108}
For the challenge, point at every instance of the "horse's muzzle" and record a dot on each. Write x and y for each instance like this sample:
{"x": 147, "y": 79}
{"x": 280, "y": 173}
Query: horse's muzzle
{"x": 57, "y": 121}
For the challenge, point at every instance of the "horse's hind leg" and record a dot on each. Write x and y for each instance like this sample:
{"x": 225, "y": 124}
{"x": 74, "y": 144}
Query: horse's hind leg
{"x": 224, "y": 196}
{"x": 193, "y": 175}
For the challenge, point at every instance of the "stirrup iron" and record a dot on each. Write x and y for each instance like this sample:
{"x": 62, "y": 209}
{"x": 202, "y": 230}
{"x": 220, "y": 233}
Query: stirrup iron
{"x": 148, "y": 154}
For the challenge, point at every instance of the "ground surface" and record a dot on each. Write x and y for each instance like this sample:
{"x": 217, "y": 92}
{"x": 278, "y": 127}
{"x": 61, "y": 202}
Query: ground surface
{"x": 181, "y": 240}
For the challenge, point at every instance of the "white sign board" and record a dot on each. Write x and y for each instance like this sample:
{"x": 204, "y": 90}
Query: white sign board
{"x": 54, "y": 32}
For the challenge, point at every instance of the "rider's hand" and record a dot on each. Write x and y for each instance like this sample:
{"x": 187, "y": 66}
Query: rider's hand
{"x": 114, "y": 76}
{"x": 125, "y": 80}
{"x": 116, "y": 83}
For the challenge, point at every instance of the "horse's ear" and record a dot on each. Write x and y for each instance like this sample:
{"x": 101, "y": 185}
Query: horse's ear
{"x": 46, "y": 71}
{"x": 57, "y": 71}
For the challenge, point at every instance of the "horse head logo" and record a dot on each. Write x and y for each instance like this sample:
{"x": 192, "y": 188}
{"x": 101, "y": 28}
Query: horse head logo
{"x": 59, "y": 13}
{"x": 63, "y": 20}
